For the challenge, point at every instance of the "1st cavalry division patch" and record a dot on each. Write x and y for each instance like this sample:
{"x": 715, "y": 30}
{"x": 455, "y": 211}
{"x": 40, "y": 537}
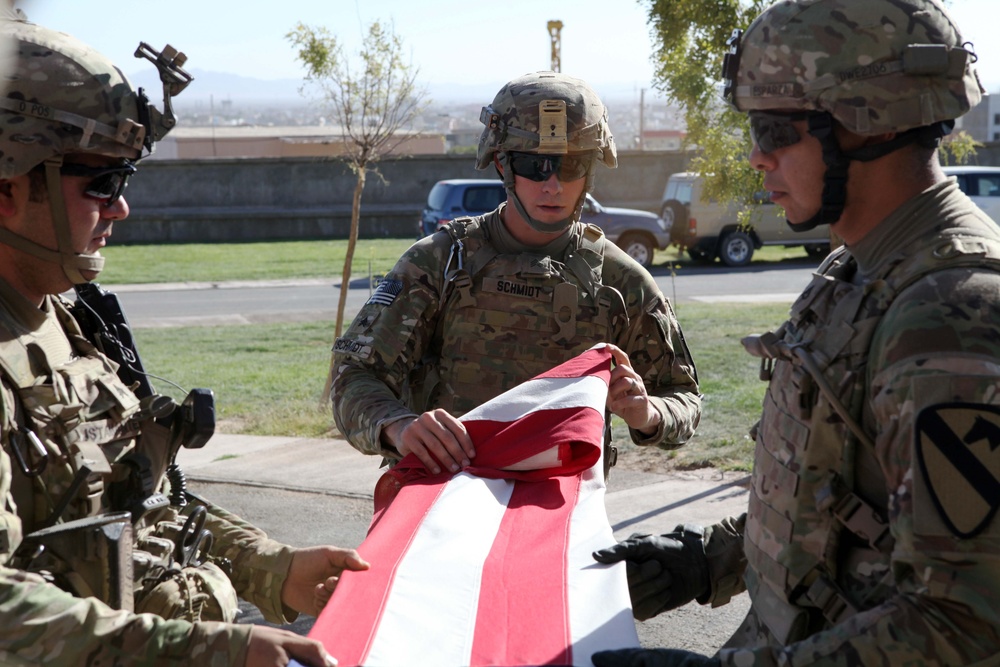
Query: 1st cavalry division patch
{"x": 958, "y": 446}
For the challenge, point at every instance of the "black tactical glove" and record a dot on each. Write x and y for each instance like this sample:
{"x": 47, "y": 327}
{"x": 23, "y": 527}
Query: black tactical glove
{"x": 664, "y": 571}
{"x": 652, "y": 657}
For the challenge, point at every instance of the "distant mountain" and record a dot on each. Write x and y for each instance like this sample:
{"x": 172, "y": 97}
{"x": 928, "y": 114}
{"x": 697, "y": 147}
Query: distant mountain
{"x": 217, "y": 87}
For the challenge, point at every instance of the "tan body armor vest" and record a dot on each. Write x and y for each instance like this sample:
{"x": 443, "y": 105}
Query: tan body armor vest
{"x": 818, "y": 498}
{"x": 505, "y": 318}
{"x": 70, "y": 429}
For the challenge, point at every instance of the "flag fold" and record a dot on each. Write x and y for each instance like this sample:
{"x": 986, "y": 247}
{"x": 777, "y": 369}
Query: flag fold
{"x": 492, "y": 565}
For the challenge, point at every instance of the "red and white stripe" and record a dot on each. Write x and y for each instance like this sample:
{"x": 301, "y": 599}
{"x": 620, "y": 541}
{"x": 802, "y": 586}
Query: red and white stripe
{"x": 493, "y": 565}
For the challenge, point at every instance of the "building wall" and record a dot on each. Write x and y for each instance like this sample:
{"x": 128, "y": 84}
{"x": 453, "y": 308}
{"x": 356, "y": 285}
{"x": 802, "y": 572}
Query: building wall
{"x": 251, "y": 199}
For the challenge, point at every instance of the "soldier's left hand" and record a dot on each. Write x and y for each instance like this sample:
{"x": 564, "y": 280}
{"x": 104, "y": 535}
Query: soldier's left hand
{"x": 314, "y": 574}
{"x": 627, "y": 395}
{"x": 656, "y": 657}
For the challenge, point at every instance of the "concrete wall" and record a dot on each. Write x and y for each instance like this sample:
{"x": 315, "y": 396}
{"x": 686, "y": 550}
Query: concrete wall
{"x": 255, "y": 199}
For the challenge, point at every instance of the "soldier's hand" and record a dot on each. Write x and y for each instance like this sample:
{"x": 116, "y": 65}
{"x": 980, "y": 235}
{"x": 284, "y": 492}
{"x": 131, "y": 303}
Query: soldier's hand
{"x": 314, "y": 573}
{"x": 273, "y": 647}
{"x": 664, "y": 571}
{"x": 434, "y": 437}
{"x": 627, "y": 395}
{"x": 658, "y": 657}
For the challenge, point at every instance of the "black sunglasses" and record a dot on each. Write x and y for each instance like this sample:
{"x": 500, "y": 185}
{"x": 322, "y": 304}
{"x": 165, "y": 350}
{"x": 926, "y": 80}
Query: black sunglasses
{"x": 771, "y": 131}
{"x": 540, "y": 167}
{"x": 107, "y": 183}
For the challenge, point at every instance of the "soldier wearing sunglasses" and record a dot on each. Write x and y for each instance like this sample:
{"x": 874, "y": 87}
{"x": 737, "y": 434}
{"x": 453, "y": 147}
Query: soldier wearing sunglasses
{"x": 872, "y": 535}
{"x": 102, "y": 560}
{"x": 491, "y": 301}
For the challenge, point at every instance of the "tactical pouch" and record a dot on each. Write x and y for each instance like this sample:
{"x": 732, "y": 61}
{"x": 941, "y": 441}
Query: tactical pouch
{"x": 89, "y": 557}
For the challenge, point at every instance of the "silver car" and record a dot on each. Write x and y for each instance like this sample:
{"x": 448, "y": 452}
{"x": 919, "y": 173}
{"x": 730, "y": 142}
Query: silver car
{"x": 982, "y": 185}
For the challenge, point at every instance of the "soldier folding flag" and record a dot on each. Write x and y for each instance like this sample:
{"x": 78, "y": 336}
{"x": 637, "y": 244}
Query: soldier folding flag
{"x": 493, "y": 565}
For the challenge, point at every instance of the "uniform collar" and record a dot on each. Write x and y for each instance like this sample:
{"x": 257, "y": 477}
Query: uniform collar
{"x": 503, "y": 241}
{"x": 915, "y": 219}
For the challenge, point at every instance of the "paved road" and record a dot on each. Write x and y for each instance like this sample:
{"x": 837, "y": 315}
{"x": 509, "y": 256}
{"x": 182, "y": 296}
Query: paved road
{"x": 182, "y": 304}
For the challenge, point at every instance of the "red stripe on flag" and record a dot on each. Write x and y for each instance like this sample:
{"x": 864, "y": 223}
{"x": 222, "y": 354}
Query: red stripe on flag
{"x": 523, "y": 603}
{"x": 582, "y": 429}
{"x": 368, "y": 591}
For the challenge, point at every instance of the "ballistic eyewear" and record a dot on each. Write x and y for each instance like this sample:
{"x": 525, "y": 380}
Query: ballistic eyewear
{"x": 771, "y": 131}
{"x": 539, "y": 168}
{"x": 106, "y": 183}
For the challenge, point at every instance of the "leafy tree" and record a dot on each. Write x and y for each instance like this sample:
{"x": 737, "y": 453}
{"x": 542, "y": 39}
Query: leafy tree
{"x": 372, "y": 97}
{"x": 690, "y": 43}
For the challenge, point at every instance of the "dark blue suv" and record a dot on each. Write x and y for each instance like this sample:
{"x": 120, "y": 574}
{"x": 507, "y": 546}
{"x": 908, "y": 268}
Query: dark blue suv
{"x": 459, "y": 197}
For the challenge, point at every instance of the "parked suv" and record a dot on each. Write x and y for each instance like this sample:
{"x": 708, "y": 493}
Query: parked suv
{"x": 459, "y": 197}
{"x": 707, "y": 229}
{"x": 638, "y": 233}
{"x": 982, "y": 184}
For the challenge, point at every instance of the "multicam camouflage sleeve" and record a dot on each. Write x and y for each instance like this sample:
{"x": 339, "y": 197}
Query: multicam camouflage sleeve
{"x": 657, "y": 350}
{"x": 935, "y": 383}
{"x": 259, "y": 564}
{"x": 43, "y": 625}
{"x": 390, "y": 335}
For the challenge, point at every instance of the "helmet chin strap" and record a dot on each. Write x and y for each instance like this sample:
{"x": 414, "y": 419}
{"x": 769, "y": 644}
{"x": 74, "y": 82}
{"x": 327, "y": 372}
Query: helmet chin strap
{"x": 538, "y": 225}
{"x": 834, "y": 197}
{"x": 72, "y": 264}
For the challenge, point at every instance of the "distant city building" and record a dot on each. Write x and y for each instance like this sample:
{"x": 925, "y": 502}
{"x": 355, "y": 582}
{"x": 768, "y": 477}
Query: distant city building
{"x": 982, "y": 123}
{"x": 291, "y": 141}
{"x": 661, "y": 140}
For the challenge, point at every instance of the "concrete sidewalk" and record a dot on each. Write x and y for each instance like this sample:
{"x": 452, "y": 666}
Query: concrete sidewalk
{"x": 636, "y": 502}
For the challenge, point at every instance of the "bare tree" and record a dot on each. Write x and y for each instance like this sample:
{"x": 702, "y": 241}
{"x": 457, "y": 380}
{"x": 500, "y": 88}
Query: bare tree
{"x": 372, "y": 96}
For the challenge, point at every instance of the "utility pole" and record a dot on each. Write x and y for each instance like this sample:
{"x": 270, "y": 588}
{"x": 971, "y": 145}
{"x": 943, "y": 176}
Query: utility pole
{"x": 642, "y": 118}
{"x": 555, "y": 28}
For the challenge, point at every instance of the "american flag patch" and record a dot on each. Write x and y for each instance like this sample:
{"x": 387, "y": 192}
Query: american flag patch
{"x": 386, "y": 292}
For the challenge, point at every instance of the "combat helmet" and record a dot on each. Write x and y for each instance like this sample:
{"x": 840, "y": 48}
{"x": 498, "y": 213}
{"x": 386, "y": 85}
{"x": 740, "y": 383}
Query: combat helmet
{"x": 60, "y": 97}
{"x": 546, "y": 113}
{"x": 875, "y": 67}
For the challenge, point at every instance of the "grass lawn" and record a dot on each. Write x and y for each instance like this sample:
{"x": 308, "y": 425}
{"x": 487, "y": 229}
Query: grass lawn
{"x": 284, "y": 260}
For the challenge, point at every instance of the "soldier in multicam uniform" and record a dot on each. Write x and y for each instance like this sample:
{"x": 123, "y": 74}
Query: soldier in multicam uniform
{"x": 871, "y": 536}
{"x": 491, "y": 301}
{"x": 82, "y": 582}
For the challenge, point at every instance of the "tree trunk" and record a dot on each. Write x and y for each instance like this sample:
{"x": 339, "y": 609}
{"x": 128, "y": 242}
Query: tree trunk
{"x": 345, "y": 282}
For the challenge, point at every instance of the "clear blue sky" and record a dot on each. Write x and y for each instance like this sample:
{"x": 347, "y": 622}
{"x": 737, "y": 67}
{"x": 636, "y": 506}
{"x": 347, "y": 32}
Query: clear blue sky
{"x": 452, "y": 41}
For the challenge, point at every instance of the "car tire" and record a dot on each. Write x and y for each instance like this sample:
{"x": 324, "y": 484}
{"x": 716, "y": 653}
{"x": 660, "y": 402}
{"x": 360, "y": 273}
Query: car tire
{"x": 638, "y": 247}
{"x": 736, "y": 249}
{"x": 818, "y": 251}
{"x": 675, "y": 217}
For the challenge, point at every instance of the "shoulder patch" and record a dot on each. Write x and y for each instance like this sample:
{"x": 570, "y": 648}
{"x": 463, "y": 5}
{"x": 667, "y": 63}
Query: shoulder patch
{"x": 958, "y": 448}
{"x": 386, "y": 292}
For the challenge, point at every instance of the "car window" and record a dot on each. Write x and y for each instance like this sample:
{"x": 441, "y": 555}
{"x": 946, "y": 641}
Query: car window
{"x": 671, "y": 191}
{"x": 984, "y": 185}
{"x": 437, "y": 196}
{"x": 683, "y": 193}
{"x": 482, "y": 199}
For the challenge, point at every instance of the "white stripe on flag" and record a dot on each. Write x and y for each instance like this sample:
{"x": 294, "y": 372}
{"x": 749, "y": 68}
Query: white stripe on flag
{"x": 542, "y": 394}
{"x": 434, "y": 595}
{"x": 599, "y": 605}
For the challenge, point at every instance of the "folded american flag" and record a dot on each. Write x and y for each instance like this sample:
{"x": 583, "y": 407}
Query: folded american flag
{"x": 492, "y": 565}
